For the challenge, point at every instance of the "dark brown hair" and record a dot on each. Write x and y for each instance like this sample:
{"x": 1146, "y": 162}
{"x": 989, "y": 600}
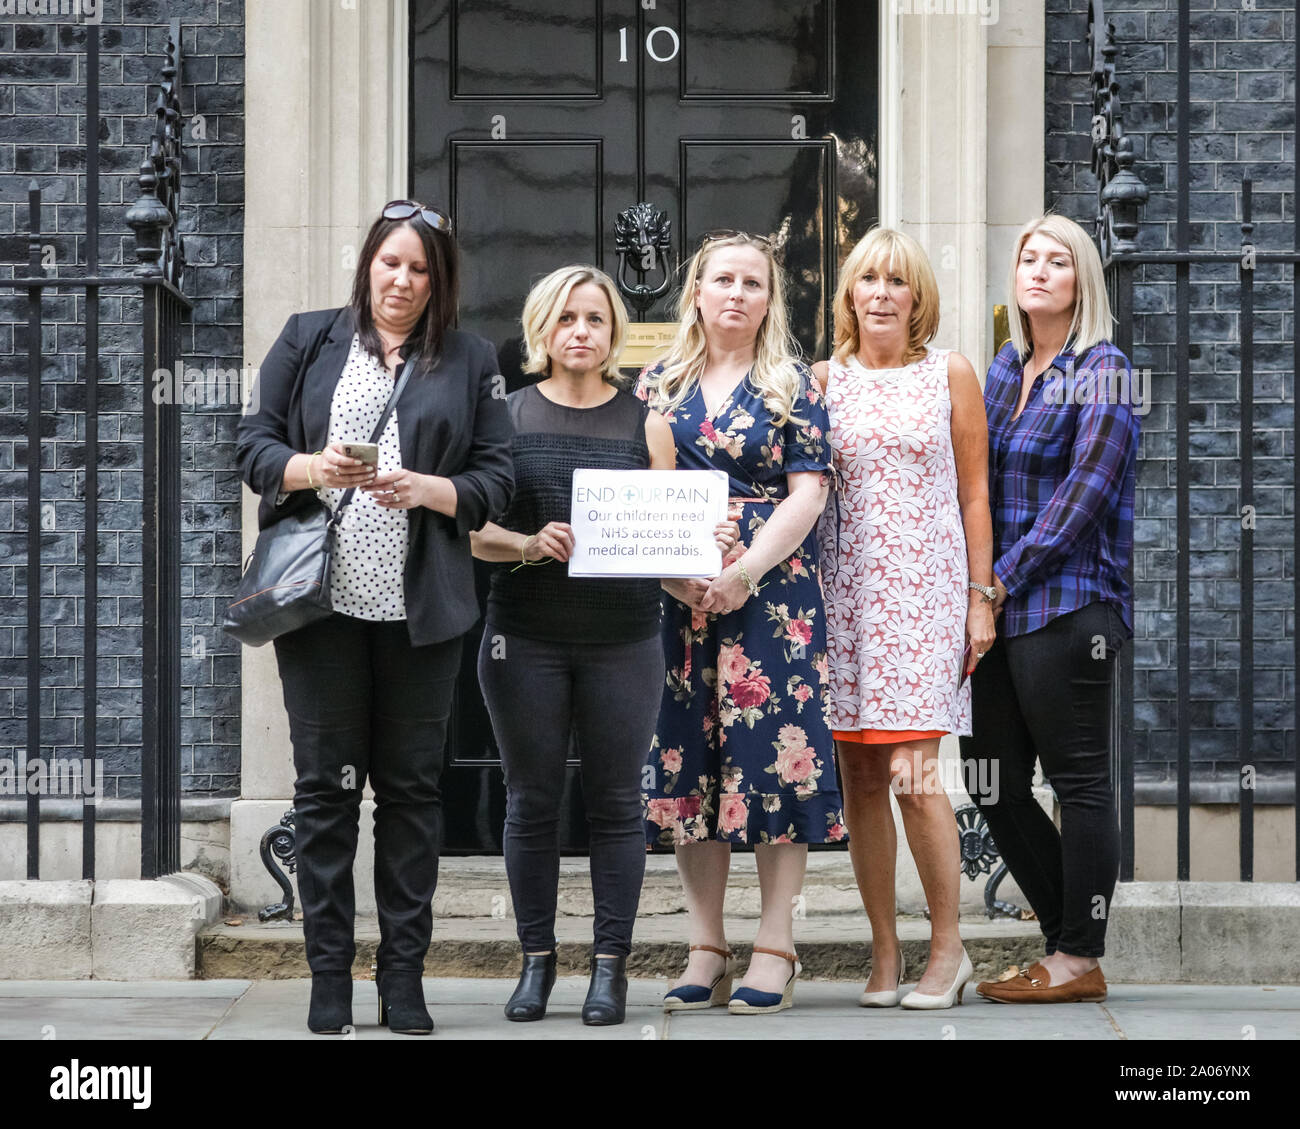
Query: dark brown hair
{"x": 425, "y": 338}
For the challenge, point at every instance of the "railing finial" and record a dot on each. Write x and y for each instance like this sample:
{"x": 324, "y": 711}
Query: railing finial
{"x": 155, "y": 215}
{"x": 1120, "y": 191}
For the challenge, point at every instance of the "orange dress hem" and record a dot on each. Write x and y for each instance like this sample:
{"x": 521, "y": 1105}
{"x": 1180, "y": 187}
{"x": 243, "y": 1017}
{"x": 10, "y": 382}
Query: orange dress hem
{"x": 885, "y": 736}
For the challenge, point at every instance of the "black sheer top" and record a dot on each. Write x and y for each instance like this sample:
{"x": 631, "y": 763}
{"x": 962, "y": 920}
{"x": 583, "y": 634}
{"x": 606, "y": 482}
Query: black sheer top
{"x": 550, "y": 442}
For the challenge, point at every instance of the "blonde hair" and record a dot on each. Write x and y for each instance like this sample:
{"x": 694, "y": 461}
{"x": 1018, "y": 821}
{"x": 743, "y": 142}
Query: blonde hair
{"x": 545, "y": 303}
{"x": 775, "y": 373}
{"x": 893, "y": 251}
{"x": 1092, "y": 319}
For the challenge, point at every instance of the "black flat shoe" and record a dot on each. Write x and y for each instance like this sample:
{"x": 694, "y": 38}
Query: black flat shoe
{"x": 401, "y": 1003}
{"x": 331, "y": 1003}
{"x": 607, "y": 995}
{"x": 536, "y": 979}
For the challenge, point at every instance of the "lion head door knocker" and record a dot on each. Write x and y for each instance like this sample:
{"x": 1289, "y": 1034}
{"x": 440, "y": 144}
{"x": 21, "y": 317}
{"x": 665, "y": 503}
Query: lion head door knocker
{"x": 643, "y": 238}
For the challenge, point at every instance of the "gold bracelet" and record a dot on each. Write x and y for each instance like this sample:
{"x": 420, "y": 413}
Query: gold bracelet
{"x": 749, "y": 582}
{"x": 309, "y": 462}
{"x": 523, "y": 560}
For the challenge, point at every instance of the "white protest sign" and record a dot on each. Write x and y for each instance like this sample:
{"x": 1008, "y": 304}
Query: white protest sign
{"x": 647, "y": 523}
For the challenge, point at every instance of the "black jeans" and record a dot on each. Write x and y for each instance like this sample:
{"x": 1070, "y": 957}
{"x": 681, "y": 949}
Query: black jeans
{"x": 607, "y": 695}
{"x": 1046, "y": 695}
{"x": 363, "y": 702}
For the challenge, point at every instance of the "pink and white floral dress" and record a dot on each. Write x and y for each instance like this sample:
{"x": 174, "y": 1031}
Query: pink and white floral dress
{"x": 894, "y": 551}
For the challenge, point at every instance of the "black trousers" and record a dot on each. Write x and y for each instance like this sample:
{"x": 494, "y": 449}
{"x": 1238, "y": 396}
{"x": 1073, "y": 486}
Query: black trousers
{"x": 1046, "y": 695}
{"x": 363, "y": 702}
{"x": 607, "y": 695}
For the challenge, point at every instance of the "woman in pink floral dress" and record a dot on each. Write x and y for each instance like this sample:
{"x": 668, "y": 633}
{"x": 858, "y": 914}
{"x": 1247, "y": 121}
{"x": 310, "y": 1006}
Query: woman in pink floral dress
{"x": 742, "y": 751}
{"x": 911, "y": 455}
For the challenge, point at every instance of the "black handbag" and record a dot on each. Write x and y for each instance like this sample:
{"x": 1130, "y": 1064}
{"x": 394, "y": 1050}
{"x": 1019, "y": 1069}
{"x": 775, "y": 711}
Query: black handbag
{"x": 286, "y": 581}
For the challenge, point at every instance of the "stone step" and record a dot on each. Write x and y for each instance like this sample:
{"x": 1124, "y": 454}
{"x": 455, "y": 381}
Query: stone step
{"x": 835, "y": 947}
{"x": 476, "y": 887}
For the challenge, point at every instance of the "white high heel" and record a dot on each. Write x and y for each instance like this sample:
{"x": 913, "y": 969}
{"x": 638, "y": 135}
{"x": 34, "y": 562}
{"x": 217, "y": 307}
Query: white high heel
{"x": 886, "y": 998}
{"x": 917, "y": 1001}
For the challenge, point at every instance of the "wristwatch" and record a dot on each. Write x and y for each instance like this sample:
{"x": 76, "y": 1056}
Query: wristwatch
{"x": 989, "y": 593}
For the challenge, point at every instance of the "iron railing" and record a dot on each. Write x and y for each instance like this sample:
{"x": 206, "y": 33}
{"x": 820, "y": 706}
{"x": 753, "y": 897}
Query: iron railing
{"x": 157, "y": 280}
{"x": 1120, "y": 196}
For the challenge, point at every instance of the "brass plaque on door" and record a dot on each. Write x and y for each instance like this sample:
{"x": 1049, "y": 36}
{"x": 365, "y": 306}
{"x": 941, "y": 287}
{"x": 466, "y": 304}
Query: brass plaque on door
{"x": 647, "y": 341}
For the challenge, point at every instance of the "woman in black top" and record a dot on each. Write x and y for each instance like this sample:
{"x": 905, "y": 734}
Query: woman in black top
{"x": 568, "y": 657}
{"x": 368, "y": 688}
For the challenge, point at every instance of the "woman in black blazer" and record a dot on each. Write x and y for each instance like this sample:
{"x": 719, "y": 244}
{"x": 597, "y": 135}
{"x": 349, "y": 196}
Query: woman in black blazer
{"x": 368, "y": 689}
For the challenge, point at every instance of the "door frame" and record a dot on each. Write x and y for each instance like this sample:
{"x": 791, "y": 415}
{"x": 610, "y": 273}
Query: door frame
{"x": 328, "y": 122}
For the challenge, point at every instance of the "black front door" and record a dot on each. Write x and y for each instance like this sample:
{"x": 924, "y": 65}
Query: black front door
{"x": 537, "y": 121}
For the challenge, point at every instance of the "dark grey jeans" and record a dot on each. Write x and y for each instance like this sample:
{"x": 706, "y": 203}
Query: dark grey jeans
{"x": 607, "y": 696}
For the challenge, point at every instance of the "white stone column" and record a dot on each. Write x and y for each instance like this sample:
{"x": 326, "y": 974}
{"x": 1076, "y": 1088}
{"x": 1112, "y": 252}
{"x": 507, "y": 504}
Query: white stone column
{"x": 1016, "y": 139}
{"x": 941, "y": 163}
{"x": 962, "y": 148}
{"x": 326, "y": 90}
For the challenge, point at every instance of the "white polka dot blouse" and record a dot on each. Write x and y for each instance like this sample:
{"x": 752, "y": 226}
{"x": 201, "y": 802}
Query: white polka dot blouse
{"x": 370, "y": 553}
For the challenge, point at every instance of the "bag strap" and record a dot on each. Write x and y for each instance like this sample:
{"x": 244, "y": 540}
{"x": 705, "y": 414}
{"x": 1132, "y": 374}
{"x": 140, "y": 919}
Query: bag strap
{"x": 402, "y": 378}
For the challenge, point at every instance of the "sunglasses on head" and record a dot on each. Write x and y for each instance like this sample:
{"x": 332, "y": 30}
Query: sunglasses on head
{"x": 731, "y": 233}
{"x": 407, "y": 209}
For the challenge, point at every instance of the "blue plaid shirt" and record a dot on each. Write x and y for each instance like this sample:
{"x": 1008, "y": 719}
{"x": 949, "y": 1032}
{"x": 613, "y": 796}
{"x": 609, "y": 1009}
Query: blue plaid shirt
{"x": 1061, "y": 481}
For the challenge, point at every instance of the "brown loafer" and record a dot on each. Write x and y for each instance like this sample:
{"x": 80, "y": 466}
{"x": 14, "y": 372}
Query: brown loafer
{"x": 1033, "y": 986}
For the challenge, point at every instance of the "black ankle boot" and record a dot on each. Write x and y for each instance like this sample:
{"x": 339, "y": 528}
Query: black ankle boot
{"x": 536, "y": 979}
{"x": 607, "y": 995}
{"x": 331, "y": 1003}
{"x": 401, "y": 1003}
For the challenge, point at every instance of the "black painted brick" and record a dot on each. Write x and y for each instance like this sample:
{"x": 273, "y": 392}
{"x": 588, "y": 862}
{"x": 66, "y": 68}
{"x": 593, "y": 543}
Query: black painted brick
{"x": 1243, "y": 123}
{"x": 41, "y": 136}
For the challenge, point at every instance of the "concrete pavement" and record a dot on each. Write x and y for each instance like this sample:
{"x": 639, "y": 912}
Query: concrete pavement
{"x": 470, "y": 1009}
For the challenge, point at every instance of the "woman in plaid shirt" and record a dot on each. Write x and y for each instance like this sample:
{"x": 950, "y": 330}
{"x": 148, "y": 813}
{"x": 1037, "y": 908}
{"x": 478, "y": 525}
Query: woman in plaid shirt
{"x": 1063, "y": 435}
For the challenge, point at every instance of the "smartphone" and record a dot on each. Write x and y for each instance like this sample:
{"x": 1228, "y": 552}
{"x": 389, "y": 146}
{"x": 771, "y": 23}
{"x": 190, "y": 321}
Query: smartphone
{"x": 368, "y": 453}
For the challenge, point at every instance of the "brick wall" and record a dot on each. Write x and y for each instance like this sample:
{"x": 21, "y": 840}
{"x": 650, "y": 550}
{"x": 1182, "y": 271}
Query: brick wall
{"x": 42, "y": 139}
{"x": 1242, "y": 124}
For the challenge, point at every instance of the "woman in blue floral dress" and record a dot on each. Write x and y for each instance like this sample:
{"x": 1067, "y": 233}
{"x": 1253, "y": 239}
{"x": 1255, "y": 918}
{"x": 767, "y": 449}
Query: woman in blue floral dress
{"x": 743, "y": 751}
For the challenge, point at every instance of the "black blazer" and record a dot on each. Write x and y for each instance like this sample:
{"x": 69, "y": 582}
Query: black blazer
{"x": 451, "y": 421}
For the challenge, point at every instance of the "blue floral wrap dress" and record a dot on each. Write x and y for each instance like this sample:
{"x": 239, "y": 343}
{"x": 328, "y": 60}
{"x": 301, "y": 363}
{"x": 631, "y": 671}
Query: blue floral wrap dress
{"x": 742, "y": 751}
